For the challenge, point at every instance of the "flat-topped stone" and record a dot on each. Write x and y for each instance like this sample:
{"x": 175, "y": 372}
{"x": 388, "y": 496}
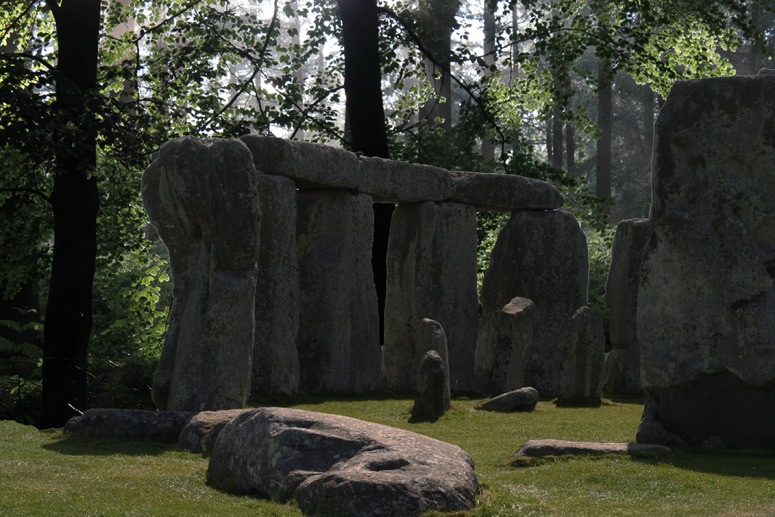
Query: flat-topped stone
{"x": 310, "y": 165}
{"x": 394, "y": 181}
{"x": 504, "y": 192}
{"x": 538, "y": 448}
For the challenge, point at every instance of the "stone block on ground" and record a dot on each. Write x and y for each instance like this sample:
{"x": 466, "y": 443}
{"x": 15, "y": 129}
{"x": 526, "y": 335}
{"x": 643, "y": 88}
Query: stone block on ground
{"x": 338, "y": 340}
{"x": 201, "y": 196}
{"x": 522, "y": 399}
{"x": 335, "y": 465}
{"x": 432, "y": 386}
{"x": 275, "y": 356}
{"x": 541, "y": 256}
{"x": 431, "y": 273}
{"x": 504, "y": 192}
{"x": 201, "y": 430}
{"x": 503, "y": 347}
{"x": 581, "y": 378}
{"x": 540, "y": 448}
{"x": 129, "y": 423}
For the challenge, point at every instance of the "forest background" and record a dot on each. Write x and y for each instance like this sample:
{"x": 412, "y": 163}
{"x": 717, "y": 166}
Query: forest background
{"x": 562, "y": 90}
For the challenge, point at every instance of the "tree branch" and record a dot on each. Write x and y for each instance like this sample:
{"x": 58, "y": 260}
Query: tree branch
{"x": 16, "y": 20}
{"x": 433, "y": 59}
{"x": 28, "y": 191}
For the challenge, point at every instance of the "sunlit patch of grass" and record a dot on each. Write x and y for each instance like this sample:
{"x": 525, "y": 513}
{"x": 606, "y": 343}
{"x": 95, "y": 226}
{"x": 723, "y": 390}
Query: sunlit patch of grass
{"x": 45, "y": 473}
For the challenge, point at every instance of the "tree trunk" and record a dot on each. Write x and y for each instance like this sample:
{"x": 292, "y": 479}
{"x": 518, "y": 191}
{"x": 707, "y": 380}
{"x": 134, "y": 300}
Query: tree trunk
{"x": 75, "y": 204}
{"x": 488, "y": 149}
{"x": 366, "y": 117}
{"x": 570, "y": 148}
{"x": 604, "y": 120}
{"x": 557, "y": 139}
{"x": 438, "y": 17}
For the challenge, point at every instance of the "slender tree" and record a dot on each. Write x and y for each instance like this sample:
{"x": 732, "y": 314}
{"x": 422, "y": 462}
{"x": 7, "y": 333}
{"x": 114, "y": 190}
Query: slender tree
{"x": 366, "y": 116}
{"x": 74, "y": 203}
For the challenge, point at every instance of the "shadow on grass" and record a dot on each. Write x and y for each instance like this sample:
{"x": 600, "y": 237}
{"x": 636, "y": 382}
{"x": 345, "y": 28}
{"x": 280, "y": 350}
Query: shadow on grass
{"x": 741, "y": 464}
{"x": 92, "y": 446}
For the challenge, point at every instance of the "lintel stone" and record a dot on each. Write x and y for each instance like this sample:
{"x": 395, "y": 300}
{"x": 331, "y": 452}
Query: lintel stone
{"x": 504, "y": 192}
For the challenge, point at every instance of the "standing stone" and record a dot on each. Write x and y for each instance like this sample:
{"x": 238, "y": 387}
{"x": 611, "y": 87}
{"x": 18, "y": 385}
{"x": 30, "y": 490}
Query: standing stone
{"x": 339, "y": 327}
{"x": 542, "y": 256}
{"x": 622, "y": 370}
{"x": 431, "y": 273}
{"x": 581, "y": 378}
{"x": 706, "y": 299}
{"x": 275, "y": 357}
{"x": 431, "y": 337}
{"x": 201, "y": 195}
{"x": 503, "y": 347}
{"x": 429, "y": 403}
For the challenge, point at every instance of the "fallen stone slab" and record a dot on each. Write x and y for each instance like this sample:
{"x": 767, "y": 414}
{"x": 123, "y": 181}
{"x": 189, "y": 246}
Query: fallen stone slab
{"x": 129, "y": 423}
{"x": 335, "y": 465}
{"x": 540, "y": 448}
{"x": 523, "y": 399}
{"x": 202, "y": 429}
{"x": 504, "y": 192}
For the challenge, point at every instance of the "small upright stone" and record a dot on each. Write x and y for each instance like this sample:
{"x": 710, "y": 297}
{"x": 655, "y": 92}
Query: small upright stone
{"x": 429, "y": 403}
{"x": 431, "y": 336}
{"x": 581, "y": 378}
{"x": 503, "y": 347}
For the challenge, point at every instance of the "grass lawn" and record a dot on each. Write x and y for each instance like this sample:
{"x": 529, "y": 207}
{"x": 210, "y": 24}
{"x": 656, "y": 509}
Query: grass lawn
{"x": 45, "y": 473}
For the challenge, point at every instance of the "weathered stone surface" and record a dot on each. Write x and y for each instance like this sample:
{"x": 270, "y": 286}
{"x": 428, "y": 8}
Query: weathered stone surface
{"x": 706, "y": 298}
{"x": 622, "y": 372}
{"x": 522, "y": 399}
{"x": 622, "y": 375}
{"x": 431, "y": 337}
{"x": 129, "y": 423}
{"x": 201, "y": 430}
{"x": 503, "y": 347}
{"x": 338, "y": 340}
{"x": 538, "y": 448}
{"x": 542, "y": 256}
{"x": 275, "y": 357}
{"x": 201, "y": 195}
{"x": 310, "y": 165}
{"x": 334, "y": 465}
{"x": 504, "y": 192}
{"x": 719, "y": 411}
{"x": 393, "y": 181}
{"x": 432, "y": 386}
{"x": 581, "y": 378}
{"x": 431, "y": 273}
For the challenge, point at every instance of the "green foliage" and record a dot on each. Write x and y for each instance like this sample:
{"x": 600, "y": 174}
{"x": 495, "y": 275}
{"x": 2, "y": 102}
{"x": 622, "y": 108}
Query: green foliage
{"x": 20, "y": 371}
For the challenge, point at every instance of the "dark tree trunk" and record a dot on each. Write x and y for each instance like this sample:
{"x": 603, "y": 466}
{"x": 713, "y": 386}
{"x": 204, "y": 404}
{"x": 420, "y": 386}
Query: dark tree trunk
{"x": 570, "y": 148}
{"x": 604, "y": 120}
{"x": 557, "y": 139}
{"x": 366, "y": 117}
{"x": 75, "y": 204}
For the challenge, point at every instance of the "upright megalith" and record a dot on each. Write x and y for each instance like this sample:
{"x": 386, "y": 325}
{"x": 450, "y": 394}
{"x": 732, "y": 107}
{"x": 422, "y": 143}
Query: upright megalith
{"x": 431, "y": 273}
{"x": 622, "y": 369}
{"x": 581, "y": 376}
{"x": 202, "y": 197}
{"x": 275, "y": 356}
{"x": 503, "y": 347}
{"x": 338, "y": 340}
{"x": 541, "y": 256}
{"x": 706, "y": 297}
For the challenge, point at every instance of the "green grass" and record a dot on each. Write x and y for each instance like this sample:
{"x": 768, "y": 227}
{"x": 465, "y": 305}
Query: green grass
{"x": 45, "y": 473}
